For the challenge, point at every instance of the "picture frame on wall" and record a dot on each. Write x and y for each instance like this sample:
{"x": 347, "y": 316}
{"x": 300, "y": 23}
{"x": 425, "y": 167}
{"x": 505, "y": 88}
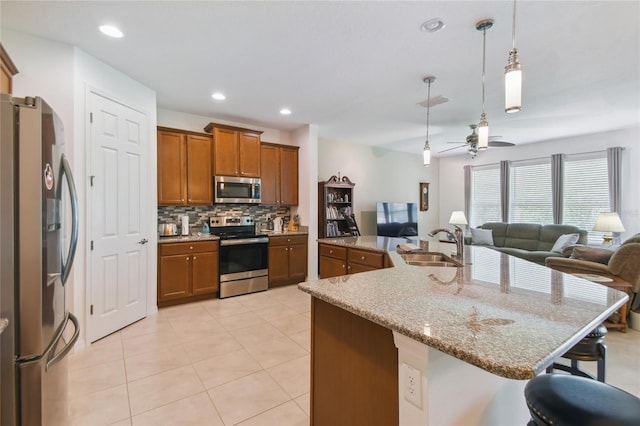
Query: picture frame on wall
{"x": 424, "y": 196}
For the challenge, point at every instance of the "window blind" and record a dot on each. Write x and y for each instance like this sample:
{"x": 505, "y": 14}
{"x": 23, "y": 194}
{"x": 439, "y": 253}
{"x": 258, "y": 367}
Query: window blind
{"x": 530, "y": 195}
{"x": 586, "y": 191}
{"x": 485, "y": 195}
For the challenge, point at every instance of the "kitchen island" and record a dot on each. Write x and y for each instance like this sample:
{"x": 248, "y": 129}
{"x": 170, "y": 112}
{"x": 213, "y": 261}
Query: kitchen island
{"x": 442, "y": 345}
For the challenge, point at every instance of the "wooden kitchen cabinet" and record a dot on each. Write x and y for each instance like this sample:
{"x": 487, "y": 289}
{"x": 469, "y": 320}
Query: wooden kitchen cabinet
{"x": 287, "y": 259}
{"x": 184, "y": 168}
{"x": 187, "y": 271}
{"x": 279, "y": 172}
{"x": 7, "y": 71}
{"x": 336, "y": 260}
{"x": 236, "y": 150}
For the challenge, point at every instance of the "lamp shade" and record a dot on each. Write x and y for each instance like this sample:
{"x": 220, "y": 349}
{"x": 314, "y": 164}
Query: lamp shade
{"x": 483, "y": 133}
{"x": 458, "y": 218}
{"x": 608, "y": 222}
{"x": 426, "y": 154}
{"x": 513, "y": 89}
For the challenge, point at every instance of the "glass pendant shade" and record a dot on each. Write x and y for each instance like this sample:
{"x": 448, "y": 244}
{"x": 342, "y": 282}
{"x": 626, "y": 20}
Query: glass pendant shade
{"x": 483, "y": 133}
{"x": 513, "y": 84}
{"x": 426, "y": 154}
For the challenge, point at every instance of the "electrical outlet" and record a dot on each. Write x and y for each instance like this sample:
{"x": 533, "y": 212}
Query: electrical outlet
{"x": 412, "y": 384}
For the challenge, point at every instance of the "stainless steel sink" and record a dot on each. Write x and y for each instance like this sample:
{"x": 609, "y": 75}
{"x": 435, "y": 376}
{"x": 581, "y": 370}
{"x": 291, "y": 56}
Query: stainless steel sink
{"x": 429, "y": 259}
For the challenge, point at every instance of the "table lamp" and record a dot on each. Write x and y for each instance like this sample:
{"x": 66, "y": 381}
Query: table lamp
{"x": 608, "y": 222}
{"x": 458, "y": 218}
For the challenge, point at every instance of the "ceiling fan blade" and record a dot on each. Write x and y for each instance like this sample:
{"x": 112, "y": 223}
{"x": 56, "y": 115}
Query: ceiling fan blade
{"x": 462, "y": 143}
{"x": 498, "y": 144}
{"x": 494, "y": 138}
{"x": 450, "y": 149}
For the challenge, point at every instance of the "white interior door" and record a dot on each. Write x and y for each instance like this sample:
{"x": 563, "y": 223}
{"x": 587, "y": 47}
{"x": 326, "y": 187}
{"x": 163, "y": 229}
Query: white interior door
{"x": 118, "y": 249}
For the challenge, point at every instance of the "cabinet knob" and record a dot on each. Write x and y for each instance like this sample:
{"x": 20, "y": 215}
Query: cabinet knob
{"x": 187, "y": 257}
{"x": 190, "y": 247}
{"x": 189, "y": 199}
{"x": 291, "y": 248}
{"x": 288, "y": 240}
{"x": 182, "y": 199}
{"x": 330, "y": 251}
{"x": 286, "y": 249}
{"x": 195, "y": 258}
{"x": 362, "y": 257}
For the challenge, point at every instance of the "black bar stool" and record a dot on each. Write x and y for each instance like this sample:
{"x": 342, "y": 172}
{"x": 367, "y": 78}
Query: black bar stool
{"x": 590, "y": 348}
{"x": 561, "y": 399}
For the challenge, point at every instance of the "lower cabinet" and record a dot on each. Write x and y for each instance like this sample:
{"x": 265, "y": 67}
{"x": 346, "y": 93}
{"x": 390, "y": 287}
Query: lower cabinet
{"x": 287, "y": 259}
{"x": 187, "y": 271}
{"x": 337, "y": 260}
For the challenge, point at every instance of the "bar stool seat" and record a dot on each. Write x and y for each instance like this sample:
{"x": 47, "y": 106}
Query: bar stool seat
{"x": 561, "y": 399}
{"x": 590, "y": 348}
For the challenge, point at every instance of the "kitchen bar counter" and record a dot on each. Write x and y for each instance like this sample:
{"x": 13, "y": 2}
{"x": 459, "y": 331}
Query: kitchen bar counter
{"x": 480, "y": 330}
{"x": 188, "y": 238}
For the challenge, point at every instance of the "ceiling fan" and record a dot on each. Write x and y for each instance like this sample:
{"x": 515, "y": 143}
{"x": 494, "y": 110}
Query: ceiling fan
{"x": 472, "y": 142}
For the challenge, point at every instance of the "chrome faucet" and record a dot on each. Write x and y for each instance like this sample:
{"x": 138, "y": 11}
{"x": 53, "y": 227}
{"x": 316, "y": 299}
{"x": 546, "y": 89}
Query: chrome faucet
{"x": 455, "y": 236}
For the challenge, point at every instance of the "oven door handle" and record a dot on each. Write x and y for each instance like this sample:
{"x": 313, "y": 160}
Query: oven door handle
{"x": 263, "y": 240}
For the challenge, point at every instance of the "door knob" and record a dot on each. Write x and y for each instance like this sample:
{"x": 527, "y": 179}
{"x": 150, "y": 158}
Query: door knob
{"x": 143, "y": 241}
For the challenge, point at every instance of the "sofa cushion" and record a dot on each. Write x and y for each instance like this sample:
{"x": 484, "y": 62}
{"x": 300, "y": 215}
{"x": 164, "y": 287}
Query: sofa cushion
{"x": 592, "y": 254}
{"x": 564, "y": 241}
{"x": 549, "y": 235}
{"x": 499, "y": 230}
{"x": 482, "y": 236}
{"x": 523, "y": 236}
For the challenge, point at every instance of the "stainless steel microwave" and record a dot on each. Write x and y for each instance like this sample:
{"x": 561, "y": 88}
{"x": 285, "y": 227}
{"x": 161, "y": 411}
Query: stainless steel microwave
{"x": 231, "y": 189}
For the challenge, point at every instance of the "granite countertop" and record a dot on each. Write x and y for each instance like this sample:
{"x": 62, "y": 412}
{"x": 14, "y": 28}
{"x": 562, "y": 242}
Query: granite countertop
{"x": 500, "y": 313}
{"x": 188, "y": 238}
{"x": 302, "y": 230}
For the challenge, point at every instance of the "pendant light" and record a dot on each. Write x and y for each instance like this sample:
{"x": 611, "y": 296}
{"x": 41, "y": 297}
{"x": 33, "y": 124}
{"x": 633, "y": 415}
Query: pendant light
{"x": 426, "y": 152}
{"x": 513, "y": 75}
{"x": 483, "y": 126}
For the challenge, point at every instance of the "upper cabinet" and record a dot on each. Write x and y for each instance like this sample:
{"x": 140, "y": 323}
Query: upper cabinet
{"x": 279, "y": 167}
{"x": 236, "y": 150}
{"x": 184, "y": 167}
{"x": 7, "y": 71}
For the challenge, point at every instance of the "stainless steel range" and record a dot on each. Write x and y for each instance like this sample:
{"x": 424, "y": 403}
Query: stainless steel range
{"x": 244, "y": 255}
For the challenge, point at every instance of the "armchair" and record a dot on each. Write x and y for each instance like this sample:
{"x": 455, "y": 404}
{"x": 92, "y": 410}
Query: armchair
{"x": 624, "y": 264}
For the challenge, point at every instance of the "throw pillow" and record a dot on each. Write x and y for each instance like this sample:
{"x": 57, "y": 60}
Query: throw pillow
{"x": 482, "y": 236}
{"x": 564, "y": 241}
{"x": 592, "y": 254}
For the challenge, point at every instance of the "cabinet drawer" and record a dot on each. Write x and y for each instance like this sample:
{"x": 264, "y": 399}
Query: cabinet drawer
{"x": 168, "y": 249}
{"x": 287, "y": 240}
{"x": 333, "y": 251}
{"x": 364, "y": 257}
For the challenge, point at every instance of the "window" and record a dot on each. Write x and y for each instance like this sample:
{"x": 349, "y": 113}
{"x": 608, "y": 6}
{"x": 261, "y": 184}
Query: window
{"x": 530, "y": 195}
{"x": 485, "y": 195}
{"x": 586, "y": 191}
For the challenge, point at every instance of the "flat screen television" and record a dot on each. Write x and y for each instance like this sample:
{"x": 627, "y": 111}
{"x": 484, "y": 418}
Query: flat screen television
{"x": 397, "y": 219}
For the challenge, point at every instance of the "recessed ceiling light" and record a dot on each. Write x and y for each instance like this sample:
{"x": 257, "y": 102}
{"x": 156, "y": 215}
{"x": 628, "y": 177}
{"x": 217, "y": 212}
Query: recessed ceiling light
{"x": 285, "y": 111}
{"x": 111, "y": 31}
{"x": 218, "y": 96}
{"x": 432, "y": 25}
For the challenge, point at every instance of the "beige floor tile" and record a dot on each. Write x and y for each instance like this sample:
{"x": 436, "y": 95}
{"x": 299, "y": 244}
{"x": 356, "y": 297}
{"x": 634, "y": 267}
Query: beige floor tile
{"x": 211, "y": 346}
{"x": 275, "y": 351}
{"x": 257, "y": 301}
{"x": 235, "y": 322}
{"x": 125, "y": 422}
{"x": 246, "y": 397}
{"x": 104, "y": 350}
{"x": 196, "y": 410}
{"x": 276, "y": 310}
{"x": 150, "y": 324}
{"x": 303, "y": 402}
{"x": 99, "y": 408}
{"x": 217, "y": 370}
{"x": 163, "y": 388}
{"x": 97, "y": 378}
{"x": 187, "y": 310}
{"x": 291, "y": 324}
{"x": 151, "y": 363}
{"x": 148, "y": 343}
{"x": 188, "y": 331}
{"x": 293, "y": 376}
{"x": 221, "y": 308}
{"x": 251, "y": 336}
{"x": 302, "y": 338}
{"x": 286, "y": 414}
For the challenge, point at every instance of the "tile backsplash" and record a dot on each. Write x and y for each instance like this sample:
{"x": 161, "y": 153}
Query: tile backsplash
{"x": 198, "y": 214}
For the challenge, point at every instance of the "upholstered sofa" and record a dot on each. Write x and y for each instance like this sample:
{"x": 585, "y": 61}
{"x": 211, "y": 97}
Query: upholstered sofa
{"x": 530, "y": 241}
{"x": 624, "y": 262}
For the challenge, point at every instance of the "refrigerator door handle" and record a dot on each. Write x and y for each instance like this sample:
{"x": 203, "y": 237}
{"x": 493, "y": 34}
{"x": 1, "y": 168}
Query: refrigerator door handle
{"x": 73, "y": 195}
{"x": 76, "y": 333}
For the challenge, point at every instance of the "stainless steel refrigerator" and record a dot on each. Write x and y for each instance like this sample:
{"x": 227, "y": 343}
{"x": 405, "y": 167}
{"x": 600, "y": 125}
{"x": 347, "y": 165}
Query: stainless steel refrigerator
{"x": 38, "y": 236}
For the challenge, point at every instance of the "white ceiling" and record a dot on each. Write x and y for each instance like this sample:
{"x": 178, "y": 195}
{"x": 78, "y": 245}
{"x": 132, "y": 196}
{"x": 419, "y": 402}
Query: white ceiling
{"x": 355, "y": 68}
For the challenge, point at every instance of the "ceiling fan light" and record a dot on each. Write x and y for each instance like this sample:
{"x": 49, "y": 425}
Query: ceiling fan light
{"x": 483, "y": 133}
{"x": 513, "y": 84}
{"x": 426, "y": 154}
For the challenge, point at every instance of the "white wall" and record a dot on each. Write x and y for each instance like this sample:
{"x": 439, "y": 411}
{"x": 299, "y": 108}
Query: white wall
{"x": 381, "y": 175}
{"x": 452, "y": 175}
{"x": 197, "y": 123}
{"x": 62, "y": 74}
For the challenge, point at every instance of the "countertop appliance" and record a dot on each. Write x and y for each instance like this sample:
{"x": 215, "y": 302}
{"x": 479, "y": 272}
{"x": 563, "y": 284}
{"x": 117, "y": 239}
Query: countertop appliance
{"x": 167, "y": 229}
{"x": 39, "y": 228}
{"x": 232, "y": 189}
{"x": 244, "y": 255}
